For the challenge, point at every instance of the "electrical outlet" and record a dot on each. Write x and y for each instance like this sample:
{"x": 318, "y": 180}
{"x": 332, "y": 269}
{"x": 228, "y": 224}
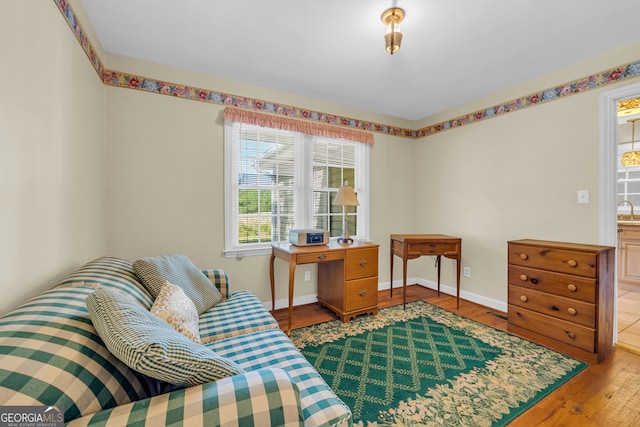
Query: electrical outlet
{"x": 583, "y": 197}
{"x": 307, "y": 276}
{"x": 467, "y": 272}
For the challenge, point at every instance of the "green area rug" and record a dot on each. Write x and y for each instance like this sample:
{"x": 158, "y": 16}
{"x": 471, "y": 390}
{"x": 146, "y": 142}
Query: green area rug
{"x": 428, "y": 366}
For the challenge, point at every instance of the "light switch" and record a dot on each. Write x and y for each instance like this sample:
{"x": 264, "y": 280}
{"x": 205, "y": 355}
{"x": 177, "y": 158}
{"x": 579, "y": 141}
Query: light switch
{"x": 583, "y": 196}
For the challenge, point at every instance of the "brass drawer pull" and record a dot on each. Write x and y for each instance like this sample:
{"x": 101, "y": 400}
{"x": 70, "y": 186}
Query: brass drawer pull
{"x": 362, "y": 293}
{"x": 572, "y": 263}
{"x": 524, "y": 256}
{"x": 571, "y": 335}
{"x": 363, "y": 263}
{"x": 322, "y": 256}
{"x": 524, "y": 298}
{"x": 523, "y": 277}
{"x": 572, "y": 287}
{"x": 572, "y": 311}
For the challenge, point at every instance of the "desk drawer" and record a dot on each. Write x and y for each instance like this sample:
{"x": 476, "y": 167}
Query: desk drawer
{"x": 361, "y": 263}
{"x": 319, "y": 257}
{"x": 417, "y": 249}
{"x": 361, "y": 293}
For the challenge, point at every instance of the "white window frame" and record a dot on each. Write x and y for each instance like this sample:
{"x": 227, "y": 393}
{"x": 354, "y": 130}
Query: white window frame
{"x": 303, "y": 186}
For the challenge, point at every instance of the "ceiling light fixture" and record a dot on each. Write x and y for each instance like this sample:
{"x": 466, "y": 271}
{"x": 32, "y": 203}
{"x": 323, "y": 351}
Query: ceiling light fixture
{"x": 392, "y": 19}
{"x": 631, "y": 158}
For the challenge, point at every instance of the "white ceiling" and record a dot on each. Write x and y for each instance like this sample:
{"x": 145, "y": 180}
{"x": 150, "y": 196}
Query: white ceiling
{"x": 453, "y": 51}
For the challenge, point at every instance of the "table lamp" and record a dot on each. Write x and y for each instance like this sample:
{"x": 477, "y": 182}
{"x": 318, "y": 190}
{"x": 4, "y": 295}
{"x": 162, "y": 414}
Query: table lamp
{"x": 345, "y": 197}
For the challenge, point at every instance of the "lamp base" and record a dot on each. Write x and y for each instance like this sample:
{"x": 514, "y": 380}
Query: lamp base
{"x": 345, "y": 240}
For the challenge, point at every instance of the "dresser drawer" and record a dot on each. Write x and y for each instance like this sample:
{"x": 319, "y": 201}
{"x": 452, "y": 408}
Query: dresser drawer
{"x": 559, "y": 330}
{"x": 577, "y": 287}
{"x": 554, "y": 259}
{"x": 319, "y": 257}
{"x": 361, "y": 293}
{"x": 567, "y": 309}
{"x": 360, "y": 263}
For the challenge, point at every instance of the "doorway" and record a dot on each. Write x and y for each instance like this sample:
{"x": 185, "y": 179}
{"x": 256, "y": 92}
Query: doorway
{"x": 627, "y": 305}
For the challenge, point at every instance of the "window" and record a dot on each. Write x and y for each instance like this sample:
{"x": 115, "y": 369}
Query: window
{"x": 628, "y": 185}
{"x": 279, "y": 180}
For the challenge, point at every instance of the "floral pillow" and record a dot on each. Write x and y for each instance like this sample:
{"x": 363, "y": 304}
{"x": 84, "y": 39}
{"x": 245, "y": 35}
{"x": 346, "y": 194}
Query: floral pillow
{"x": 174, "y": 307}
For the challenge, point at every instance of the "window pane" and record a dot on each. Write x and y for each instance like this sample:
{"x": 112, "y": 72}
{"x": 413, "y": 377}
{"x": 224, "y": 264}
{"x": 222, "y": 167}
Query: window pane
{"x": 336, "y": 226}
{"x": 348, "y": 174}
{"x": 320, "y": 176}
{"x": 253, "y": 229}
{"x": 247, "y": 202}
{"x": 335, "y": 177}
{"x": 266, "y": 197}
{"x": 320, "y": 222}
{"x": 320, "y": 202}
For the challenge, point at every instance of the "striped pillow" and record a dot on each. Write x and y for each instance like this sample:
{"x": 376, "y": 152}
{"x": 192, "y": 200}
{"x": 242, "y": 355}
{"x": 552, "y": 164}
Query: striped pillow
{"x": 179, "y": 270}
{"x": 150, "y": 345}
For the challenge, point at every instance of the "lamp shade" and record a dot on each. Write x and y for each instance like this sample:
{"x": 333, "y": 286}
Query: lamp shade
{"x": 346, "y": 197}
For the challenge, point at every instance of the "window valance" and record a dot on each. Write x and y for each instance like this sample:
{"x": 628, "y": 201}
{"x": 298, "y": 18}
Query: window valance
{"x": 295, "y": 125}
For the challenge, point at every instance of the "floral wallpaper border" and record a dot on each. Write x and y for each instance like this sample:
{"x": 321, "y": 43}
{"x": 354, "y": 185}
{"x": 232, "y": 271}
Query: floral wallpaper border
{"x": 125, "y": 80}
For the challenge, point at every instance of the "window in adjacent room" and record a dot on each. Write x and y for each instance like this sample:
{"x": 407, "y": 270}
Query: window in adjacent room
{"x": 279, "y": 180}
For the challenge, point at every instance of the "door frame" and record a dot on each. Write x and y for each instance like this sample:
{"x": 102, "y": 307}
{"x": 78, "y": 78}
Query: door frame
{"x": 608, "y": 172}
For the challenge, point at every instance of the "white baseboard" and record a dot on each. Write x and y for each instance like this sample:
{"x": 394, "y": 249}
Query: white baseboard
{"x": 451, "y": 290}
{"x": 397, "y": 284}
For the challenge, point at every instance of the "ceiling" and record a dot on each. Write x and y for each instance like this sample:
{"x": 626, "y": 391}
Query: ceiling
{"x": 453, "y": 51}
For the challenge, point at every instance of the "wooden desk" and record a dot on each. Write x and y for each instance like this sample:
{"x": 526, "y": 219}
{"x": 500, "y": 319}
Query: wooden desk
{"x": 410, "y": 246}
{"x": 347, "y": 276}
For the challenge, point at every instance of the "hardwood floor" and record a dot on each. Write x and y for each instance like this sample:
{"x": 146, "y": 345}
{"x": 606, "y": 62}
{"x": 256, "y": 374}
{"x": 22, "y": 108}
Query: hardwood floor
{"x": 629, "y": 317}
{"x": 607, "y": 394}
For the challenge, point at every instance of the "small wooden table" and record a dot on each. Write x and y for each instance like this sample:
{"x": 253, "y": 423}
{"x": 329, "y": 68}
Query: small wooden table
{"x": 410, "y": 246}
{"x": 347, "y": 275}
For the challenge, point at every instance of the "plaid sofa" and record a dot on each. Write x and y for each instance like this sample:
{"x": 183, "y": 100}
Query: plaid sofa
{"x": 50, "y": 354}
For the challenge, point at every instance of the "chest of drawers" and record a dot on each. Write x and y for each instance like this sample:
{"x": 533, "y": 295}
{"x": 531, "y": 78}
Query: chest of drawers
{"x": 561, "y": 295}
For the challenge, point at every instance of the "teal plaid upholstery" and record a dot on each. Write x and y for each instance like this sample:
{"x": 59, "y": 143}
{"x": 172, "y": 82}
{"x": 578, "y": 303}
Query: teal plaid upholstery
{"x": 150, "y": 345}
{"x": 112, "y": 273}
{"x": 180, "y": 271}
{"x": 220, "y": 279}
{"x": 50, "y": 354}
{"x": 241, "y": 314}
{"x": 273, "y": 349}
{"x": 265, "y": 397}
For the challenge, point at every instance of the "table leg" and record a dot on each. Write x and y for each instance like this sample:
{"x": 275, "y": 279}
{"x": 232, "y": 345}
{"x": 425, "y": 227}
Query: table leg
{"x": 391, "y": 273}
{"x": 292, "y": 270}
{"x": 404, "y": 283}
{"x": 272, "y": 278}
{"x": 438, "y": 262}
{"x": 458, "y": 282}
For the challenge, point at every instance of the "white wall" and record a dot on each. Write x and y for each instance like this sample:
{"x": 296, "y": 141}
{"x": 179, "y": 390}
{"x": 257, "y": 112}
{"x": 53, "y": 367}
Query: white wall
{"x": 91, "y": 170}
{"x": 165, "y": 187}
{"x": 52, "y": 171}
{"x": 515, "y": 176}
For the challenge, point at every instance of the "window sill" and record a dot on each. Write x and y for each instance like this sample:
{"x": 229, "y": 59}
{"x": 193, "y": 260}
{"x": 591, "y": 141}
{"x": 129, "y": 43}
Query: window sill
{"x": 241, "y": 253}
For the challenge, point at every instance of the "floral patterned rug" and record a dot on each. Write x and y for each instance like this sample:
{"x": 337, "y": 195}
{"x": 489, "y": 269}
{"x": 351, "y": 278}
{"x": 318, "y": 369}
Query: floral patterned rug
{"x": 428, "y": 366}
